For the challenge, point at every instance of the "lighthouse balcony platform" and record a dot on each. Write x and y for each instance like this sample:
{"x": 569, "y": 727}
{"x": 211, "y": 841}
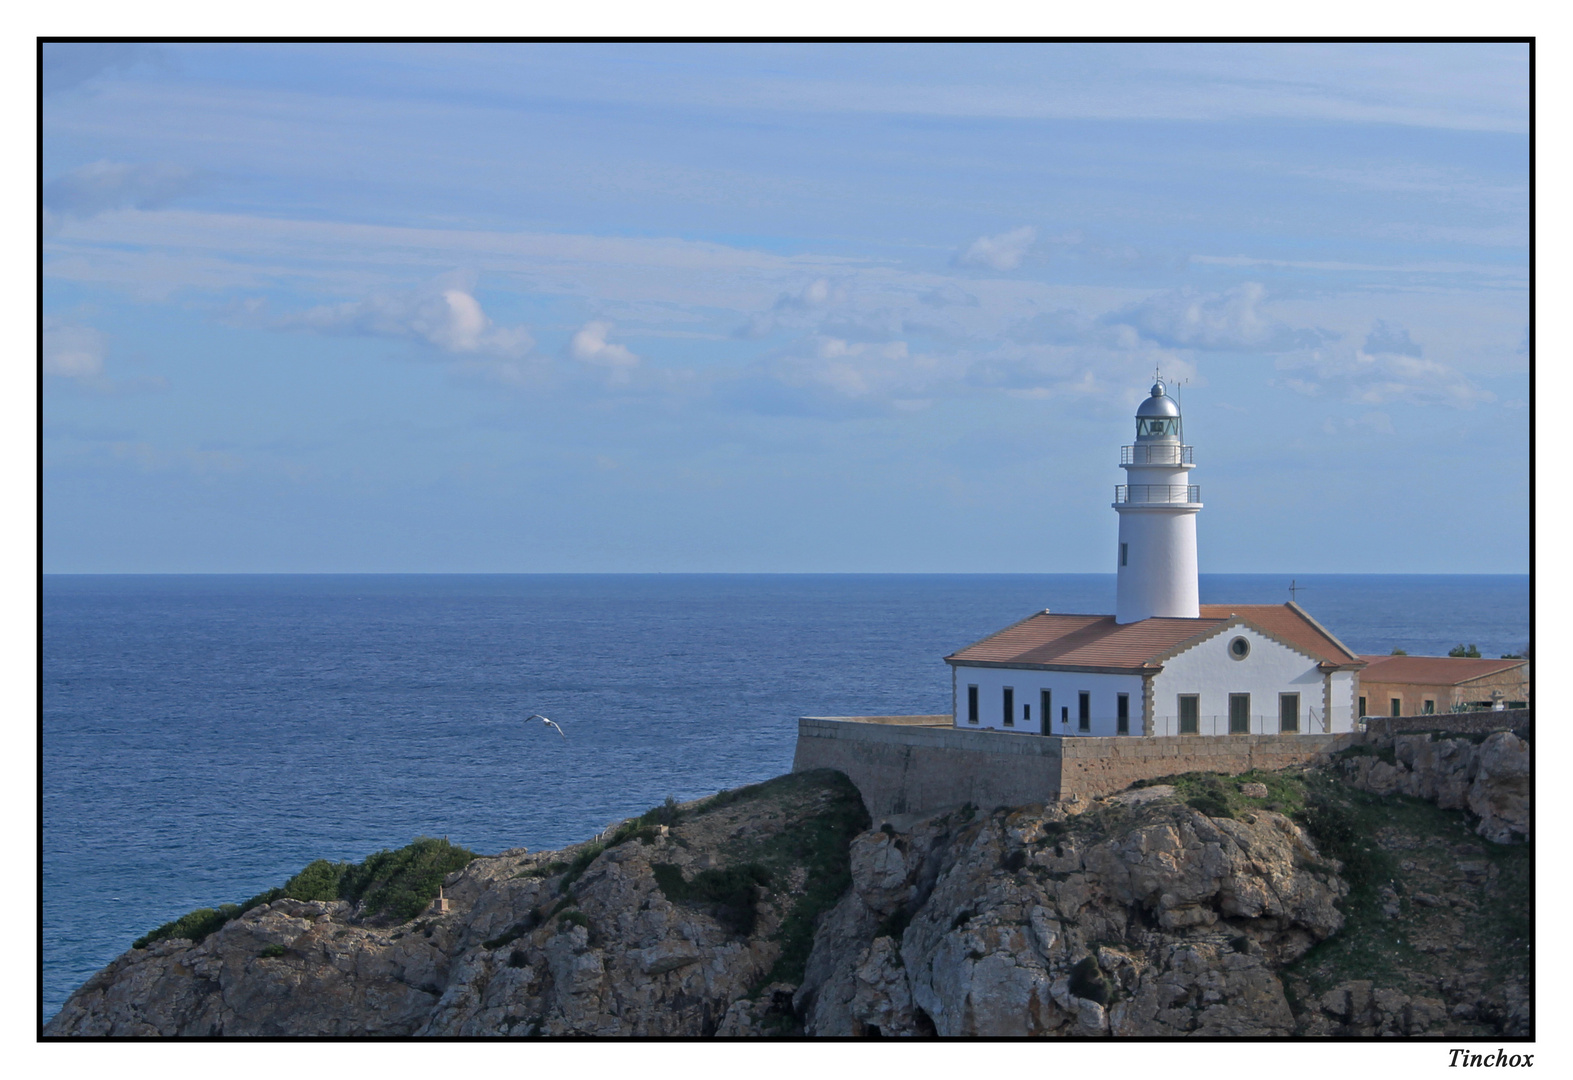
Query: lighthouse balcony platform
{"x": 1167, "y": 494}
{"x": 1157, "y": 454}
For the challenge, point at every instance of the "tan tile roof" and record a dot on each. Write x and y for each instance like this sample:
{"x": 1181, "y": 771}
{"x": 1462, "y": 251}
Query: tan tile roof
{"x": 1290, "y": 623}
{"x": 1431, "y": 670}
{"x": 1083, "y": 641}
{"x": 1097, "y": 641}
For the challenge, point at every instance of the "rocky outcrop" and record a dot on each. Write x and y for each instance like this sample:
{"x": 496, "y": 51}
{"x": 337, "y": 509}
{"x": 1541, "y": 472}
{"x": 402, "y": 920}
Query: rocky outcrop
{"x": 1027, "y": 924}
{"x": 579, "y": 942}
{"x": 776, "y": 910}
{"x": 1489, "y": 778}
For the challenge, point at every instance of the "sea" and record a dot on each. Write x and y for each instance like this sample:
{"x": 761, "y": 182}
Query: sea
{"x": 204, "y": 737}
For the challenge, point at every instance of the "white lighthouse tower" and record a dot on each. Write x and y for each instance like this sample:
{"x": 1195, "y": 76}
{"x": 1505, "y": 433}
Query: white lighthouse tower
{"x": 1157, "y": 506}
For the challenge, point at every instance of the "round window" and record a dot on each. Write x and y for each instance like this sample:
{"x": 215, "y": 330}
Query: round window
{"x": 1239, "y": 648}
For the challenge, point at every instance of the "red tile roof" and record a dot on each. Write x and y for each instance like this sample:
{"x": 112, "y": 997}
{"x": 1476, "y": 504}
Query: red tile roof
{"x": 1083, "y": 641}
{"x": 1292, "y": 624}
{"x": 1097, "y": 641}
{"x": 1432, "y": 670}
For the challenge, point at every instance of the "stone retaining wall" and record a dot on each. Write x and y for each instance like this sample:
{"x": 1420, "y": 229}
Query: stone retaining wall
{"x": 920, "y": 766}
{"x": 903, "y": 769}
{"x": 1520, "y": 721}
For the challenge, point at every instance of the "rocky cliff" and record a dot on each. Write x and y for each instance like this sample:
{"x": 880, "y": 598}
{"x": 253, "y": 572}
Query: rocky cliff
{"x": 1208, "y": 906}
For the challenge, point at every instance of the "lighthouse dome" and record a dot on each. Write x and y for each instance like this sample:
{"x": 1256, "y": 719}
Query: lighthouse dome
{"x": 1159, "y": 404}
{"x": 1158, "y": 417}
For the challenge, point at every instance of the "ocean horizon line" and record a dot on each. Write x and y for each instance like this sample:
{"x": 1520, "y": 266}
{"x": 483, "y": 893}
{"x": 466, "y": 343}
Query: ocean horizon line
{"x": 751, "y": 573}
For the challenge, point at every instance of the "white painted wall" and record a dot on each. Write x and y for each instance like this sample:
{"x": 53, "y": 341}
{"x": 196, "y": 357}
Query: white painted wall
{"x": 1209, "y": 671}
{"x": 1064, "y": 685}
{"x": 1159, "y": 577}
{"x": 1343, "y": 691}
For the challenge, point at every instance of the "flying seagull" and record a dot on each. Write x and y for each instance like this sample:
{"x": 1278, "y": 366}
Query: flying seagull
{"x": 549, "y": 723}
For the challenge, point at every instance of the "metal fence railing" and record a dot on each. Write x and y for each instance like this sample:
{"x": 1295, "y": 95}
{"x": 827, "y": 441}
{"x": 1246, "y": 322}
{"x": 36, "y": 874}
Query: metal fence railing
{"x": 1157, "y": 493}
{"x": 1256, "y": 724}
{"x": 1157, "y": 454}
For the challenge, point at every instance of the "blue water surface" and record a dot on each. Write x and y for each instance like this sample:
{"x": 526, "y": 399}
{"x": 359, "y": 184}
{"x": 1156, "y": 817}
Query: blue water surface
{"x": 205, "y": 737}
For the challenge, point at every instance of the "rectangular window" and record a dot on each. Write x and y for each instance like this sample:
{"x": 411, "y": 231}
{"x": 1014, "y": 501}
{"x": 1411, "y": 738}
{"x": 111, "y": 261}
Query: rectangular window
{"x": 1026, "y": 713}
{"x": 1065, "y": 714}
{"x": 1124, "y": 554}
{"x": 1288, "y": 712}
{"x": 972, "y": 704}
{"x": 1429, "y": 707}
{"x": 1009, "y": 712}
{"x": 1045, "y": 711}
{"x": 1122, "y": 714}
{"x": 1362, "y": 707}
{"x": 1239, "y": 714}
{"x": 1398, "y": 707}
{"x": 1190, "y": 714}
{"x": 1084, "y": 711}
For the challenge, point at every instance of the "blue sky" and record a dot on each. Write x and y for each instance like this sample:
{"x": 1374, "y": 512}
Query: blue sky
{"x": 779, "y": 308}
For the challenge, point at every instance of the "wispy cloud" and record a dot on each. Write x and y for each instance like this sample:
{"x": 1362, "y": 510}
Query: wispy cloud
{"x": 77, "y": 354}
{"x": 1228, "y": 321}
{"x": 1003, "y": 251}
{"x": 74, "y": 352}
{"x": 1389, "y": 367}
{"x": 68, "y": 64}
{"x": 1387, "y": 337}
{"x": 111, "y": 185}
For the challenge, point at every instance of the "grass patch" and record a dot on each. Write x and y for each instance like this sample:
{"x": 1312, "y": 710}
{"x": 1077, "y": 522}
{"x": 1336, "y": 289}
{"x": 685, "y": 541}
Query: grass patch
{"x": 1490, "y": 920}
{"x": 270, "y": 951}
{"x": 399, "y": 883}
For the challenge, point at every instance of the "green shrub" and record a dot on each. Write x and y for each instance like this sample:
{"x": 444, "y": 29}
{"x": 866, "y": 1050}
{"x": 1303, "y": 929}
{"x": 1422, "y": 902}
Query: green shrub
{"x": 729, "y": 892}
{"x": 1211, "y": 804}
{"x": 399, "y": 883}
{"x": 403, "y": 882}
{"x": 272, "y": 950}
{"x": 572, "y": 917}
{"x": 895, "y": 924}
{"x": 580, "y": 863}
{"x": 1464, "y": 650}
{"x": 194, "y": 926}
{"x": 1087, "y": 981}
{"x": 320, "y": 880}
{"x": 514, "y": 932}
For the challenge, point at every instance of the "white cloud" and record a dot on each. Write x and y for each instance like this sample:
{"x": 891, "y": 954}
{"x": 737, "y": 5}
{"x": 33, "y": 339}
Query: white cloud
{"x": 443, "y": 314}
{"x": 590, "y": 346}
{"x": 1002, "y": 252}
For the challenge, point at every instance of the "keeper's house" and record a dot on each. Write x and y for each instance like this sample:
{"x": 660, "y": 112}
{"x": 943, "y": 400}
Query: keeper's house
{"x": 1236, "y": 669}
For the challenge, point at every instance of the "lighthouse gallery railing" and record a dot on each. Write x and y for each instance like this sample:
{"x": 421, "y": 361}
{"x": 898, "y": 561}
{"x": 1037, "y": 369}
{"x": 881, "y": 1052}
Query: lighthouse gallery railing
{"x": 1157, "y": 454}
{"x": 1158, "y": 493}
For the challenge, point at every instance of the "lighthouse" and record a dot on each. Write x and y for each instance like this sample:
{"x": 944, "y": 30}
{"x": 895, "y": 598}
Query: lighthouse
{"x": 1157, "y": 505}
